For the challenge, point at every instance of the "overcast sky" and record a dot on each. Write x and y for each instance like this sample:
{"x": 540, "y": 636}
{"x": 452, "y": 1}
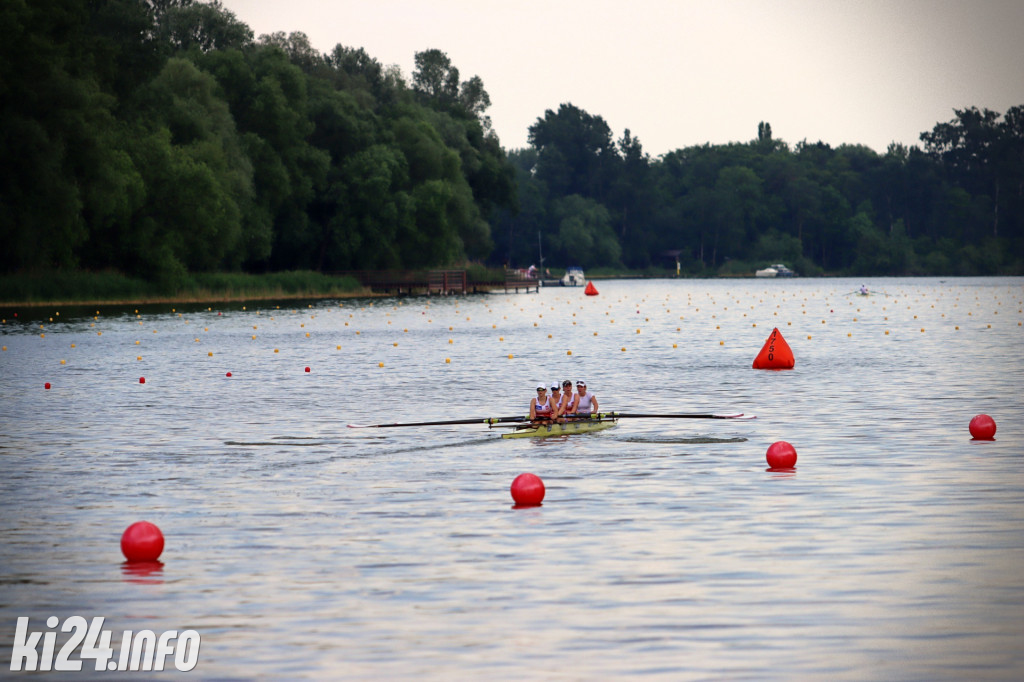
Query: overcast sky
{"x": 687, "y": 72}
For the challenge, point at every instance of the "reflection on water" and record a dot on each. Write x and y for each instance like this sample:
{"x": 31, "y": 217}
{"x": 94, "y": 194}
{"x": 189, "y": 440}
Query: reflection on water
{"x": 299, "y": 548}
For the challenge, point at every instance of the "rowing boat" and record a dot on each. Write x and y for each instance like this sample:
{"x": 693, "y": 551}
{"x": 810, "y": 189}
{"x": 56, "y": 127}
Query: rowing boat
{"x": 522, "y": 428}
{"x": 548, "y": 430}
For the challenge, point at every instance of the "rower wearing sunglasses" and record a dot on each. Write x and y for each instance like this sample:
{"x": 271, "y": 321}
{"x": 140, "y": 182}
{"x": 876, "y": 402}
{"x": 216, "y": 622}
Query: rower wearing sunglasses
{"x": 585, "y": 403}
{"x": 568, "y": 398}
{"x": 556, "y": 402}
{"x": 542, "y": 409}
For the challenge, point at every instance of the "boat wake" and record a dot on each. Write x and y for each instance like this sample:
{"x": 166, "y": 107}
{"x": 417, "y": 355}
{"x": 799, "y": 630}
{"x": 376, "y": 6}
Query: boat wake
{"x": 448, "y": 444}
{"x": 683, "y": 441}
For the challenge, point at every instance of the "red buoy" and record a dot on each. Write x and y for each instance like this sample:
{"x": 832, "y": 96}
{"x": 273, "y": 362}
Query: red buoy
{"x": 775, "y": 353}
{"x": 142, "y": 380}
{"x": 983, "y": 427}
{"x": 47, "y": 385}
{"x": 590, "y": 289}
{"x": 528, "y": 490}
{"x": 781, "y": 455}
{"x": 307, "y": 369}
{"x": 142, "y": 541}
{"x": 228, "y": 374}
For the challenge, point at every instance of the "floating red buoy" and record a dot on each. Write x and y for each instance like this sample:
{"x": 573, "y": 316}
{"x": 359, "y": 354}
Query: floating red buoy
{"x": 590, "y": 290}
{"x": 775, "y": 353}
{"x": 983, "y": 427}
{"x": 307, "y": 369}
{"x": 228, "y": 374}
{"x": 47, "y": 385}
{"x": 781, "y": 455}
{"x": 528, "y": 490}
{"x": 142, "y": 541}
{"x": 142, "y": 380}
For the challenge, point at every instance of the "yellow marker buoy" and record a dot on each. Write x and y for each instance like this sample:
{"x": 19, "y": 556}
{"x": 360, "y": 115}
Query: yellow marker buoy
{"x": 209, "y": 354}
{"x": 380, "y": 364}
{"x": 509, "y": 356}
{"x": 339, "y": 347}
{"x": 63, "y": 362}
{"x": 276, "y": 350}
{"x": 568, "y": 352}
{"x": 448, "y": 361}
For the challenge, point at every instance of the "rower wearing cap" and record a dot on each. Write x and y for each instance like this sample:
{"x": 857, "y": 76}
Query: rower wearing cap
{"x": 556, "y": 401}
{"x": 568, "y": 398}
{"x": 541, "y": 408}
{"x": 586, "y": 403}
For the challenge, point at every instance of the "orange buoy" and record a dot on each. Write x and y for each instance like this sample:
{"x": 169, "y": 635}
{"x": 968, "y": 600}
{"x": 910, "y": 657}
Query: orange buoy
{"x": 590, "y": 290}
{"x": 775, "y": 353}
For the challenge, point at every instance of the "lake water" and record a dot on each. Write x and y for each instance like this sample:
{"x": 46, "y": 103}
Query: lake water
{"x": 665, "y": 549}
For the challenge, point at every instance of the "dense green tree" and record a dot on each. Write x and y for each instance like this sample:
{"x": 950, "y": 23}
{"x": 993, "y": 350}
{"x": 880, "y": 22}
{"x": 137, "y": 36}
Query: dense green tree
{"x": 159, "y": 137}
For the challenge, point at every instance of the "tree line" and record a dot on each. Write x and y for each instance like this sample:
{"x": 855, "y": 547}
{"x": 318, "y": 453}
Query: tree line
{"x": 955, "y": 206}
{"x": 160, "y": 137}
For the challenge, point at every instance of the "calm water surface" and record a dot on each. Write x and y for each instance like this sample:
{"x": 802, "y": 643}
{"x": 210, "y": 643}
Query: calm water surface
{"x": 300, "y": 549}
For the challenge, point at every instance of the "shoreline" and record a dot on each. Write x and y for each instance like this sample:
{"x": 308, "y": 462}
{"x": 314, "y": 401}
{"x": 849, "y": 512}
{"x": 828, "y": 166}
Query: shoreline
{"x": 214, "y": 298}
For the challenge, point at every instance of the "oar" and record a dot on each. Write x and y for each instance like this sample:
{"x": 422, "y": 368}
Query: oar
{"x": 624, "y": 415}
{"x": 481, "y": 420}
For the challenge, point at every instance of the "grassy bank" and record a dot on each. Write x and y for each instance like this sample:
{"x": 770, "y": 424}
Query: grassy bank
{"x": 38, "y": 288}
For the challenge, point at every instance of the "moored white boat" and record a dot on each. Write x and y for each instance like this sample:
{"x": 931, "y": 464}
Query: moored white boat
{"x": 574, "y": 277}
{"x": 775, "y": 270}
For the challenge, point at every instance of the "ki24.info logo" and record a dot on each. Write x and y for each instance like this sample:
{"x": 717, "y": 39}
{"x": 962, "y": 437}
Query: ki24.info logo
{"x": 142, "y": 650}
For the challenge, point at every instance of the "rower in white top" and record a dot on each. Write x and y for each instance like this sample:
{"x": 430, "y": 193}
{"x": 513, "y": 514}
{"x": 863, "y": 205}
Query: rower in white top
{"x": 541, "y": 409}
{"x": 585, "y": 403}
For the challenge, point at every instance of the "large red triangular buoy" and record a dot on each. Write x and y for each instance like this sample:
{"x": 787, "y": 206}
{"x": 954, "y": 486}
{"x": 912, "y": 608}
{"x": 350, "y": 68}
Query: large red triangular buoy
{"x": 591, "y": 290}
{"x": 775, "y": 353}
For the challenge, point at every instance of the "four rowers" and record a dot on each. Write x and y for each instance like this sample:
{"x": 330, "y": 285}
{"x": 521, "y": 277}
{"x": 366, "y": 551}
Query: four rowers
{"x": 548, "y": 408}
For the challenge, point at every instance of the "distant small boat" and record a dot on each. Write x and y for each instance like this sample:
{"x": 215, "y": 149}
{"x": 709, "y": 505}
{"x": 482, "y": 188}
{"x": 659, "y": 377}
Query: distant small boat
{"x": 775, "y": 270}
{"x": 574, "y": 277}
